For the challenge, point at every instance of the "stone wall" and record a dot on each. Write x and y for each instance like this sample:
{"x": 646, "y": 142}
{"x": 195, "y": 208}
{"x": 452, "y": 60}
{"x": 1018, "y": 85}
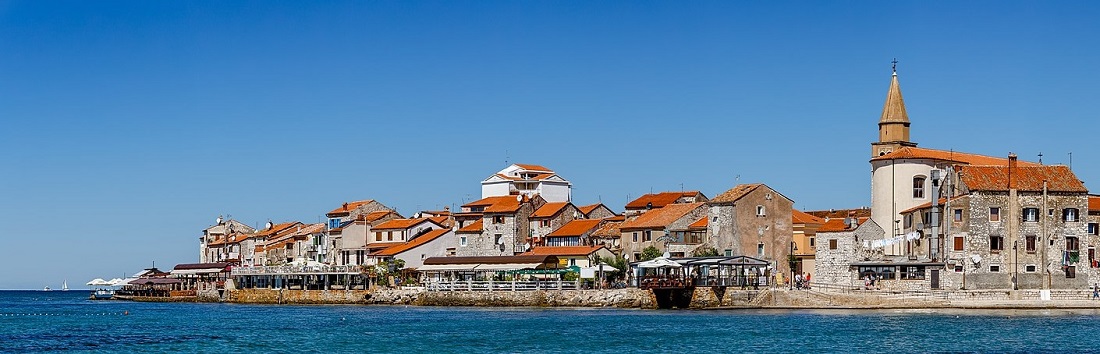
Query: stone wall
{"x": 282, "y": 296}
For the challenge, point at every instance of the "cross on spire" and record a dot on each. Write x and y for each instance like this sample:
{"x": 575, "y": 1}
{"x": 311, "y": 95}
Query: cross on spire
{"x": 895, "y": 66}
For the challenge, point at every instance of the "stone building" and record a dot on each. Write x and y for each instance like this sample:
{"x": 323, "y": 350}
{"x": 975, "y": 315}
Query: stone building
{"x": 1009, "y": 227}
{"x": 656, "y": 228}
{"x": 574, "y": 233}
{"x": 550, "y": 217}
{"x": 290, "y": 246}
{"x": 348, "y": 226}
{"x": 596, "y": 211}
{"x": 505, "y": 225}
{"x": 213, "y": 245}
{"x": 840, "y": 258}
{"x": 659, "y": 200}
{"x": 752, "y": 220}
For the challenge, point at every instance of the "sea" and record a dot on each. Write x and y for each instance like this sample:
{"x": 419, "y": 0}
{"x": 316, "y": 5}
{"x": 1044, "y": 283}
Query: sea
{"x": 56, "y": 321}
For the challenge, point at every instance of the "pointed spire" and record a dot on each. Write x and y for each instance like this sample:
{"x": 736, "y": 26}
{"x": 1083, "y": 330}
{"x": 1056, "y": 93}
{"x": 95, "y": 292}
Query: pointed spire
{"x": 894, "y": 109}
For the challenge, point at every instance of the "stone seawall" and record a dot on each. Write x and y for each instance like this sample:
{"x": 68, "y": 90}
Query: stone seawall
{"x": 284, "y": 296}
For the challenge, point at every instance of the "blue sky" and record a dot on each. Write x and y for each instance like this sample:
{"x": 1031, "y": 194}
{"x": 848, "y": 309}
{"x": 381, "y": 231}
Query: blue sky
{"x": 127, "y": 127}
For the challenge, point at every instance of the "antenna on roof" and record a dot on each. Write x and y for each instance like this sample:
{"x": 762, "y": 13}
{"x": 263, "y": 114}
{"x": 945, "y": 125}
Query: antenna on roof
{"x": 1040, "y": 157}
{"x": 506, "y": 158}
{"x": 1071, "y": 160}
{"x": 737, "y": 179}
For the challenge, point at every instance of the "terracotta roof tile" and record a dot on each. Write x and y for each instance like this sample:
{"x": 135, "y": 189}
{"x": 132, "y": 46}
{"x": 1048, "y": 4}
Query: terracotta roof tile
{"x": 422, "y": 239}
{"x": 474, "y": 228}
{"x": 699, "y": 224}
{"x": 1094, "y": 203}
{"x": 399, "y": 224}
{"x": 568, "y": 251}
{"x": 912, "y": 152}
{"x": 500, "y": 204}
{"x": 375, "y": 215}
{"x": 838, "y": 225}
{"x": 841, "y": 213}
{"x": 609, "y": 229}
{"x": 587, "y": 209}
{"x": 348, "y": 207}
{"x": 549, "y": 210}
{"x": 659, "y": 200}
{"x": 1027, "y": 178}
{"x": 660, "y": 218}
{"x": 929, "y": 204}
{"x": 799, "y": 217}
{"x": 533, "y": 167}
{"x": 576, "y": 228}
{"x": 735, "y": 193}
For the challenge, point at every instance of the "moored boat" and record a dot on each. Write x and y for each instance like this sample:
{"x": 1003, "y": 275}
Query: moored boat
{"x": 102, "y": 294}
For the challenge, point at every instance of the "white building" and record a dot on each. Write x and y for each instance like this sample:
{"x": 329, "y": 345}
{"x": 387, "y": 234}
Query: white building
{"x": 528, "y": 180}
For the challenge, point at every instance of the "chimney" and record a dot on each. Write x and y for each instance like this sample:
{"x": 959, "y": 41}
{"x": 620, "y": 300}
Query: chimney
{"x": 1011, "y": 170}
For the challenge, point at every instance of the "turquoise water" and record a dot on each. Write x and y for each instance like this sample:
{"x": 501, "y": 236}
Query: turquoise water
{"x": 34, "y": 321}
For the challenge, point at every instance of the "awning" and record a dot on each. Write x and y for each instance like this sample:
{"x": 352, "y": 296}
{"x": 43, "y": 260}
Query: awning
{"x": 446, "y": 267}
{"x": 507, "y": 266}
{"x": 197, "y": 271}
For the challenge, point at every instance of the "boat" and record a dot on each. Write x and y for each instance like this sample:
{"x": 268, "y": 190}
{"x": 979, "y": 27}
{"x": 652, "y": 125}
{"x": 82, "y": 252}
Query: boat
{"x": 65, "y": 285}
{"x": 103, "y": 294}
{"x": 47, "y": 288}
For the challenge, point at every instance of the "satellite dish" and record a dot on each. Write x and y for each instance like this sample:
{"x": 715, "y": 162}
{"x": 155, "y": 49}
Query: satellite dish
{"x": 269, "y": 225}
{"x": 519, "y": 197}
{"x": 666, "y": 255}
{"x": 219, "y": 219}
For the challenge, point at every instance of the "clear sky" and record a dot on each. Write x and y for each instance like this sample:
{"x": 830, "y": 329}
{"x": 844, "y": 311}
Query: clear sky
{"x": 126, "y": 127}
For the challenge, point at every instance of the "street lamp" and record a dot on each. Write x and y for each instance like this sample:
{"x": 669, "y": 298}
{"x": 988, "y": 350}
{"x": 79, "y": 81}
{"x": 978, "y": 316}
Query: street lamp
{"x": 791, "y": 260}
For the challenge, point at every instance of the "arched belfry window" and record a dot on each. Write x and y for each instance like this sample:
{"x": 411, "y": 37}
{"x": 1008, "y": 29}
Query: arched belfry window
{"x": 918, "y": 187}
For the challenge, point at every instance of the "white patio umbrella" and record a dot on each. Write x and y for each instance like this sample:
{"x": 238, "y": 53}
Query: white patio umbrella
{"x": 118, "y": 282}
{"x": 605, "y": 268}
{"x": 97, "y": 282}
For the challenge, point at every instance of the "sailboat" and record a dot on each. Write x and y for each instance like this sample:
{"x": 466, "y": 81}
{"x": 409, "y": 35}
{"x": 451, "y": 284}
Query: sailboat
{"x": 47, "y": 288}
{"x": 65, "y": 285}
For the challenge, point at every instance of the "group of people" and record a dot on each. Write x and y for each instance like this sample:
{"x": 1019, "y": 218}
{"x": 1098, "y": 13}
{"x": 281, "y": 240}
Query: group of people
{"x": 801, "y": 281}
{"x": 869, "y": 281}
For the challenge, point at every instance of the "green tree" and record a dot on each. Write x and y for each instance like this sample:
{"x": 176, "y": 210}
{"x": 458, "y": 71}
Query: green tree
{"x": 704, "y": 251}
{"x": 650, "y": 252}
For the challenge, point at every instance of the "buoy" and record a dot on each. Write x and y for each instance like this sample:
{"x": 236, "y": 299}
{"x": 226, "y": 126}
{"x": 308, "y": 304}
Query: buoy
{"x": 126, "y": 313}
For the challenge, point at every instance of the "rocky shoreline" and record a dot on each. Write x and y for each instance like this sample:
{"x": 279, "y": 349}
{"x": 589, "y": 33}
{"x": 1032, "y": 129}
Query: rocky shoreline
{"x": 700, "y": 298}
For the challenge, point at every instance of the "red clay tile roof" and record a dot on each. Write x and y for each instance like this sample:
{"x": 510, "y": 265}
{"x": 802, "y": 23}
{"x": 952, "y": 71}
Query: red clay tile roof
{"x": 587, "y": 209}
{"x": 383, "y": 245}
{"x": 841, "y": 213}
{"x": 735, "y": 193}
{"x": 533, "y": 167}
{"x": 699, "y": 224}
{"x": 277, "y": 228}
{"x": 1094, "y": 203}
{"x": 660, "y": 218}
{"x": 399, "y": 224}
{"x": 446, "y": 221}
{"x": 474, "y": 228}
{"x": 549, "y": 210}
{"x": 658, "y": 199}
{"x": 576, "y": 228}
{"x": 1027, "y": 178}
{"x": 348, "y": 207}
{"x": 912, "y": 152}
{"x": 500, "y": 204}
{"x": 375, "y": 215}
{"x": 798, "y": 217}
{"x": 837, "y": 225}
{"x": 422, "y": 239}
{"x": 610, "y": 229}
{"x": 566, "y": 251}
{"x": 618, "y": 218}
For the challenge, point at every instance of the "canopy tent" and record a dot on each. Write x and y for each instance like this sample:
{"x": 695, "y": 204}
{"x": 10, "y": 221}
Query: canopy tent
{"x": 447, "y": 267}
{"x": 659, "y": 262}
{"x": 119, "y": 281}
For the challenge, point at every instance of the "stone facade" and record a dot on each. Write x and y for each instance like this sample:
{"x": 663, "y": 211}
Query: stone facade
{"x": 837, "y": 251}
{"x": 503, "y": 233}
{"x": 544, "y": 225}
{"x": 653, "y": 229}
{"x": 756, "y": 222}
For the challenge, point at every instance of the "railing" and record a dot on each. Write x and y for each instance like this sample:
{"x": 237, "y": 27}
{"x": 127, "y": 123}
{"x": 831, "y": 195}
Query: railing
{"x": 289, "y": 269}
{"x": 742, "y": 281}
{"x": 481, "y": 285}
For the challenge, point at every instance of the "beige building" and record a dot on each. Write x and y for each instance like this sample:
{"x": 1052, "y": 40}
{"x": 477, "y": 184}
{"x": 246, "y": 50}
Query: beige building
{"x": 752, "y": 220}
{"x": 655, "y": 228}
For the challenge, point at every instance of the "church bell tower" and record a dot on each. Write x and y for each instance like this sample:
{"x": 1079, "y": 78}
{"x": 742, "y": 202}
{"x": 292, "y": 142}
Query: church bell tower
{"x": 893, "y": 126}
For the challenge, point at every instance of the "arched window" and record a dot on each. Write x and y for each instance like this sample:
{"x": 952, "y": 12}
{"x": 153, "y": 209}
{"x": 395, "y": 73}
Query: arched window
{"x": 918, "y": 187}
{"x": 760, "y": 210}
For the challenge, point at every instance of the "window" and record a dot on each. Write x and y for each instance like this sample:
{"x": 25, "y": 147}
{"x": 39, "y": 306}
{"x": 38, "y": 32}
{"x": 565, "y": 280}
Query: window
{"x": 880, "y": 272}
{"x": 333, "y": 223}
{"x": 760, "y": 249}
{"x": 994, "y": 214}
{"x": 497, "y": 239}
{"x": 1030, "y": 268}
{"x": 994, "y": 268}
{"x": 1071, "y": 271}
{"x": 832, "y": 244}
{"x": 729, "y": 253}
{"x": 714, "y": 219}
{"x": 389, "y": 235}
{"x": 545, "y": 223}
{"x": 572, "y": 262}
{"x": 1070, "y": 215}
{"x": 1094, "y": 228}
{"x": 760, "y": 210}
{"x": 648, "y": 235}
{"x": 996, "y": 243}
{"x": 462, "y": 241}
{"x": 378, "y": 235}
{"x": 958, "y": 269}
{"x": 912, "y": 272}
{"x": 958, "y": 243}
{"x": 1073, "y": 244}
{"x": 908, "y": 220}
{"x": 498, "y": 219}
{"x": 635, "y": 236}
{"x": 958, "y": 215}
{"x": 1031, "y": 214}
{"x": 811, "y": 242}
{"x": 918, "y": 187}
{"x": 637, "y": 256}
{"x": 1029, "y": 243}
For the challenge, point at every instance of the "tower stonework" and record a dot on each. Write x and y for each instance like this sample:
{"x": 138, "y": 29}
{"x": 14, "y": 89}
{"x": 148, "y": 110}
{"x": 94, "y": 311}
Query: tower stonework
{"x": 893, "y": 126}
